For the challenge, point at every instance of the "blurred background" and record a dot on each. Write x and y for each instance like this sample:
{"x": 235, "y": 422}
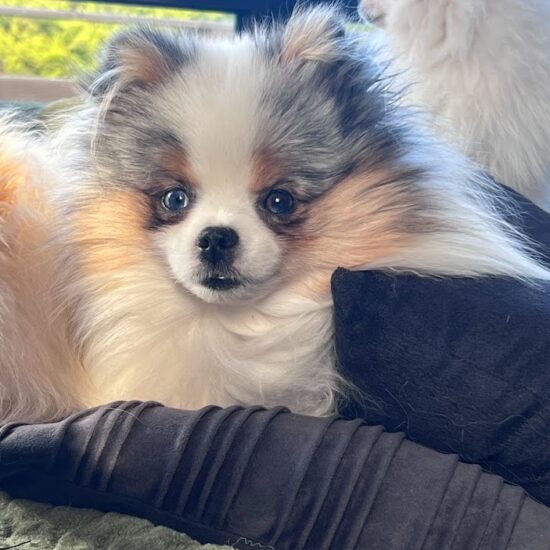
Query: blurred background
{"x": 47, "y": 44}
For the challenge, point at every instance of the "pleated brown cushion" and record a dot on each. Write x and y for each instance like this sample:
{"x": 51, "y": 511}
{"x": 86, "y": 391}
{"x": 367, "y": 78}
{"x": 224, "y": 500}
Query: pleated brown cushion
{"x": 268, "y": 479}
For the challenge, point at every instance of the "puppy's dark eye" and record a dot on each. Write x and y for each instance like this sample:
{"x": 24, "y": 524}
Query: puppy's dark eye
{"x": 175, "y": 200}
{"x": 280, "y": 202}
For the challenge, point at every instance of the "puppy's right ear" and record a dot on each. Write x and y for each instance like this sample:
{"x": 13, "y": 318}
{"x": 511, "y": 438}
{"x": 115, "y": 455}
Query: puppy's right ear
{"x": 140, "y": 57}
{"x": 313, "y": 34}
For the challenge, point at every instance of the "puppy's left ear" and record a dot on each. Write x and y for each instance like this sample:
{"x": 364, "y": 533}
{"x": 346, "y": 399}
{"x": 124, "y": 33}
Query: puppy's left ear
{"x": 140, "y": 57}
{"x": 313, "y": 35}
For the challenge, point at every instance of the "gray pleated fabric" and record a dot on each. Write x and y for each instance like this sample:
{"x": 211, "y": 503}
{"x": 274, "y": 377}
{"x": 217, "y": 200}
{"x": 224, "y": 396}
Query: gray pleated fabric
{"x": 270, "y": 478}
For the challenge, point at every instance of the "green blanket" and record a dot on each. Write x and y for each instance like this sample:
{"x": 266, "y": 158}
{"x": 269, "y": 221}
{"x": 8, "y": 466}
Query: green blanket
{"x": 29, "y": 525}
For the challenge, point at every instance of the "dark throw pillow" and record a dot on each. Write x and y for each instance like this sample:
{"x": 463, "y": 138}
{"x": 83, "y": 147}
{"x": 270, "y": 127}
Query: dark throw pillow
{"x": 460, "y": 365}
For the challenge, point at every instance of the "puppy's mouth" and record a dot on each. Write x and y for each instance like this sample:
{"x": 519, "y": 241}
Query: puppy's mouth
{"x": 228, "y": 286}
{"x": 221, "y": 282}
{"x": 220, "y": 278}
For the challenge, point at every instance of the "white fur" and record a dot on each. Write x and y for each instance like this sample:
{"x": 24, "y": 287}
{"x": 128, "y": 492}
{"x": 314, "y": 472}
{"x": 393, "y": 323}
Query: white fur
{"x": 482, "y": 68}
{"x": 215, "y": 118}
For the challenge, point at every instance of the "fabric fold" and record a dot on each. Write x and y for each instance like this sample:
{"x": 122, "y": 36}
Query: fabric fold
{"x": 270, "y": 478}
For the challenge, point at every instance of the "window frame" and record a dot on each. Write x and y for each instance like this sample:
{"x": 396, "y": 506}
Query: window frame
{"x": 245, "y": 11}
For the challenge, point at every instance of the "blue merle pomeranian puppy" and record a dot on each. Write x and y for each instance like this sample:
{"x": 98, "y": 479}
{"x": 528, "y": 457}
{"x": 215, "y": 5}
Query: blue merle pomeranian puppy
{"x": 181, "y": 246}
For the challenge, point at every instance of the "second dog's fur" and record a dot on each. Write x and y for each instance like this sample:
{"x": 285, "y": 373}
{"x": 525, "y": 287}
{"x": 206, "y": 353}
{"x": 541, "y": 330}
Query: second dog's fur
{"x": 482, "y": 69}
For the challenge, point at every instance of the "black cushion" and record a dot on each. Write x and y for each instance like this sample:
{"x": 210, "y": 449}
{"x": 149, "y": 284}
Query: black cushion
{"x": 253, "y": 478}
{"x": 460, "y": 365}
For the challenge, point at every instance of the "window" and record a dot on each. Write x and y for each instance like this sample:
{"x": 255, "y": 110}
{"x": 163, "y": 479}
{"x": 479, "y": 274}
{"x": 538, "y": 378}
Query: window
{"x": 46, "y": 44}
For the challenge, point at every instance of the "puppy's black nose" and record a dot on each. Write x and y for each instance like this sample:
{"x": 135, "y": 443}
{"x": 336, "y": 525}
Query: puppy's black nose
{"x": 218, "y": 244}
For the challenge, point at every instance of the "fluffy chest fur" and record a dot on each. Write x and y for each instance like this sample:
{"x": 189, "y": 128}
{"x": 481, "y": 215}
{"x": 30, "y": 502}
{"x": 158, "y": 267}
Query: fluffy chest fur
{"x": 153, "y": 341}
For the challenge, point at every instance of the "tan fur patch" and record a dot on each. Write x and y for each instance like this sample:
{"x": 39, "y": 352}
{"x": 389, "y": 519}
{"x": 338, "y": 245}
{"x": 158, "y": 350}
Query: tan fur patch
{"x": 356, "y": 224}
{"x": 177, "y": 164}
{"x": 42, "y": 377}
{"x": 18, "y": 191}
{"x": 13, "y": 176}
{"x": 143, "y": 64}
{"x": 266, "y": 170}
{"x": 110, "y": 231}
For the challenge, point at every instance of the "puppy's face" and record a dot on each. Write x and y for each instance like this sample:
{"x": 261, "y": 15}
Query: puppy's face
{"x": 254, "y": 162}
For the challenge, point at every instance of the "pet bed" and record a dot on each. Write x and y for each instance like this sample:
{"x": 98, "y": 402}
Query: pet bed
{"x": 255, "y": 478}
{"x": 30, "y": 525}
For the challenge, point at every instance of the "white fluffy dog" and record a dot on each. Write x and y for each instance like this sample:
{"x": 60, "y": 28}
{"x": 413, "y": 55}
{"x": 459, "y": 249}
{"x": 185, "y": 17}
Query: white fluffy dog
{"x": 482, "y": 67}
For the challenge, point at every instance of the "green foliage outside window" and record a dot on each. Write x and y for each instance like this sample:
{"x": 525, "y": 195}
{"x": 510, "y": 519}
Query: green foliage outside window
{"x": 63, "y": 49}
